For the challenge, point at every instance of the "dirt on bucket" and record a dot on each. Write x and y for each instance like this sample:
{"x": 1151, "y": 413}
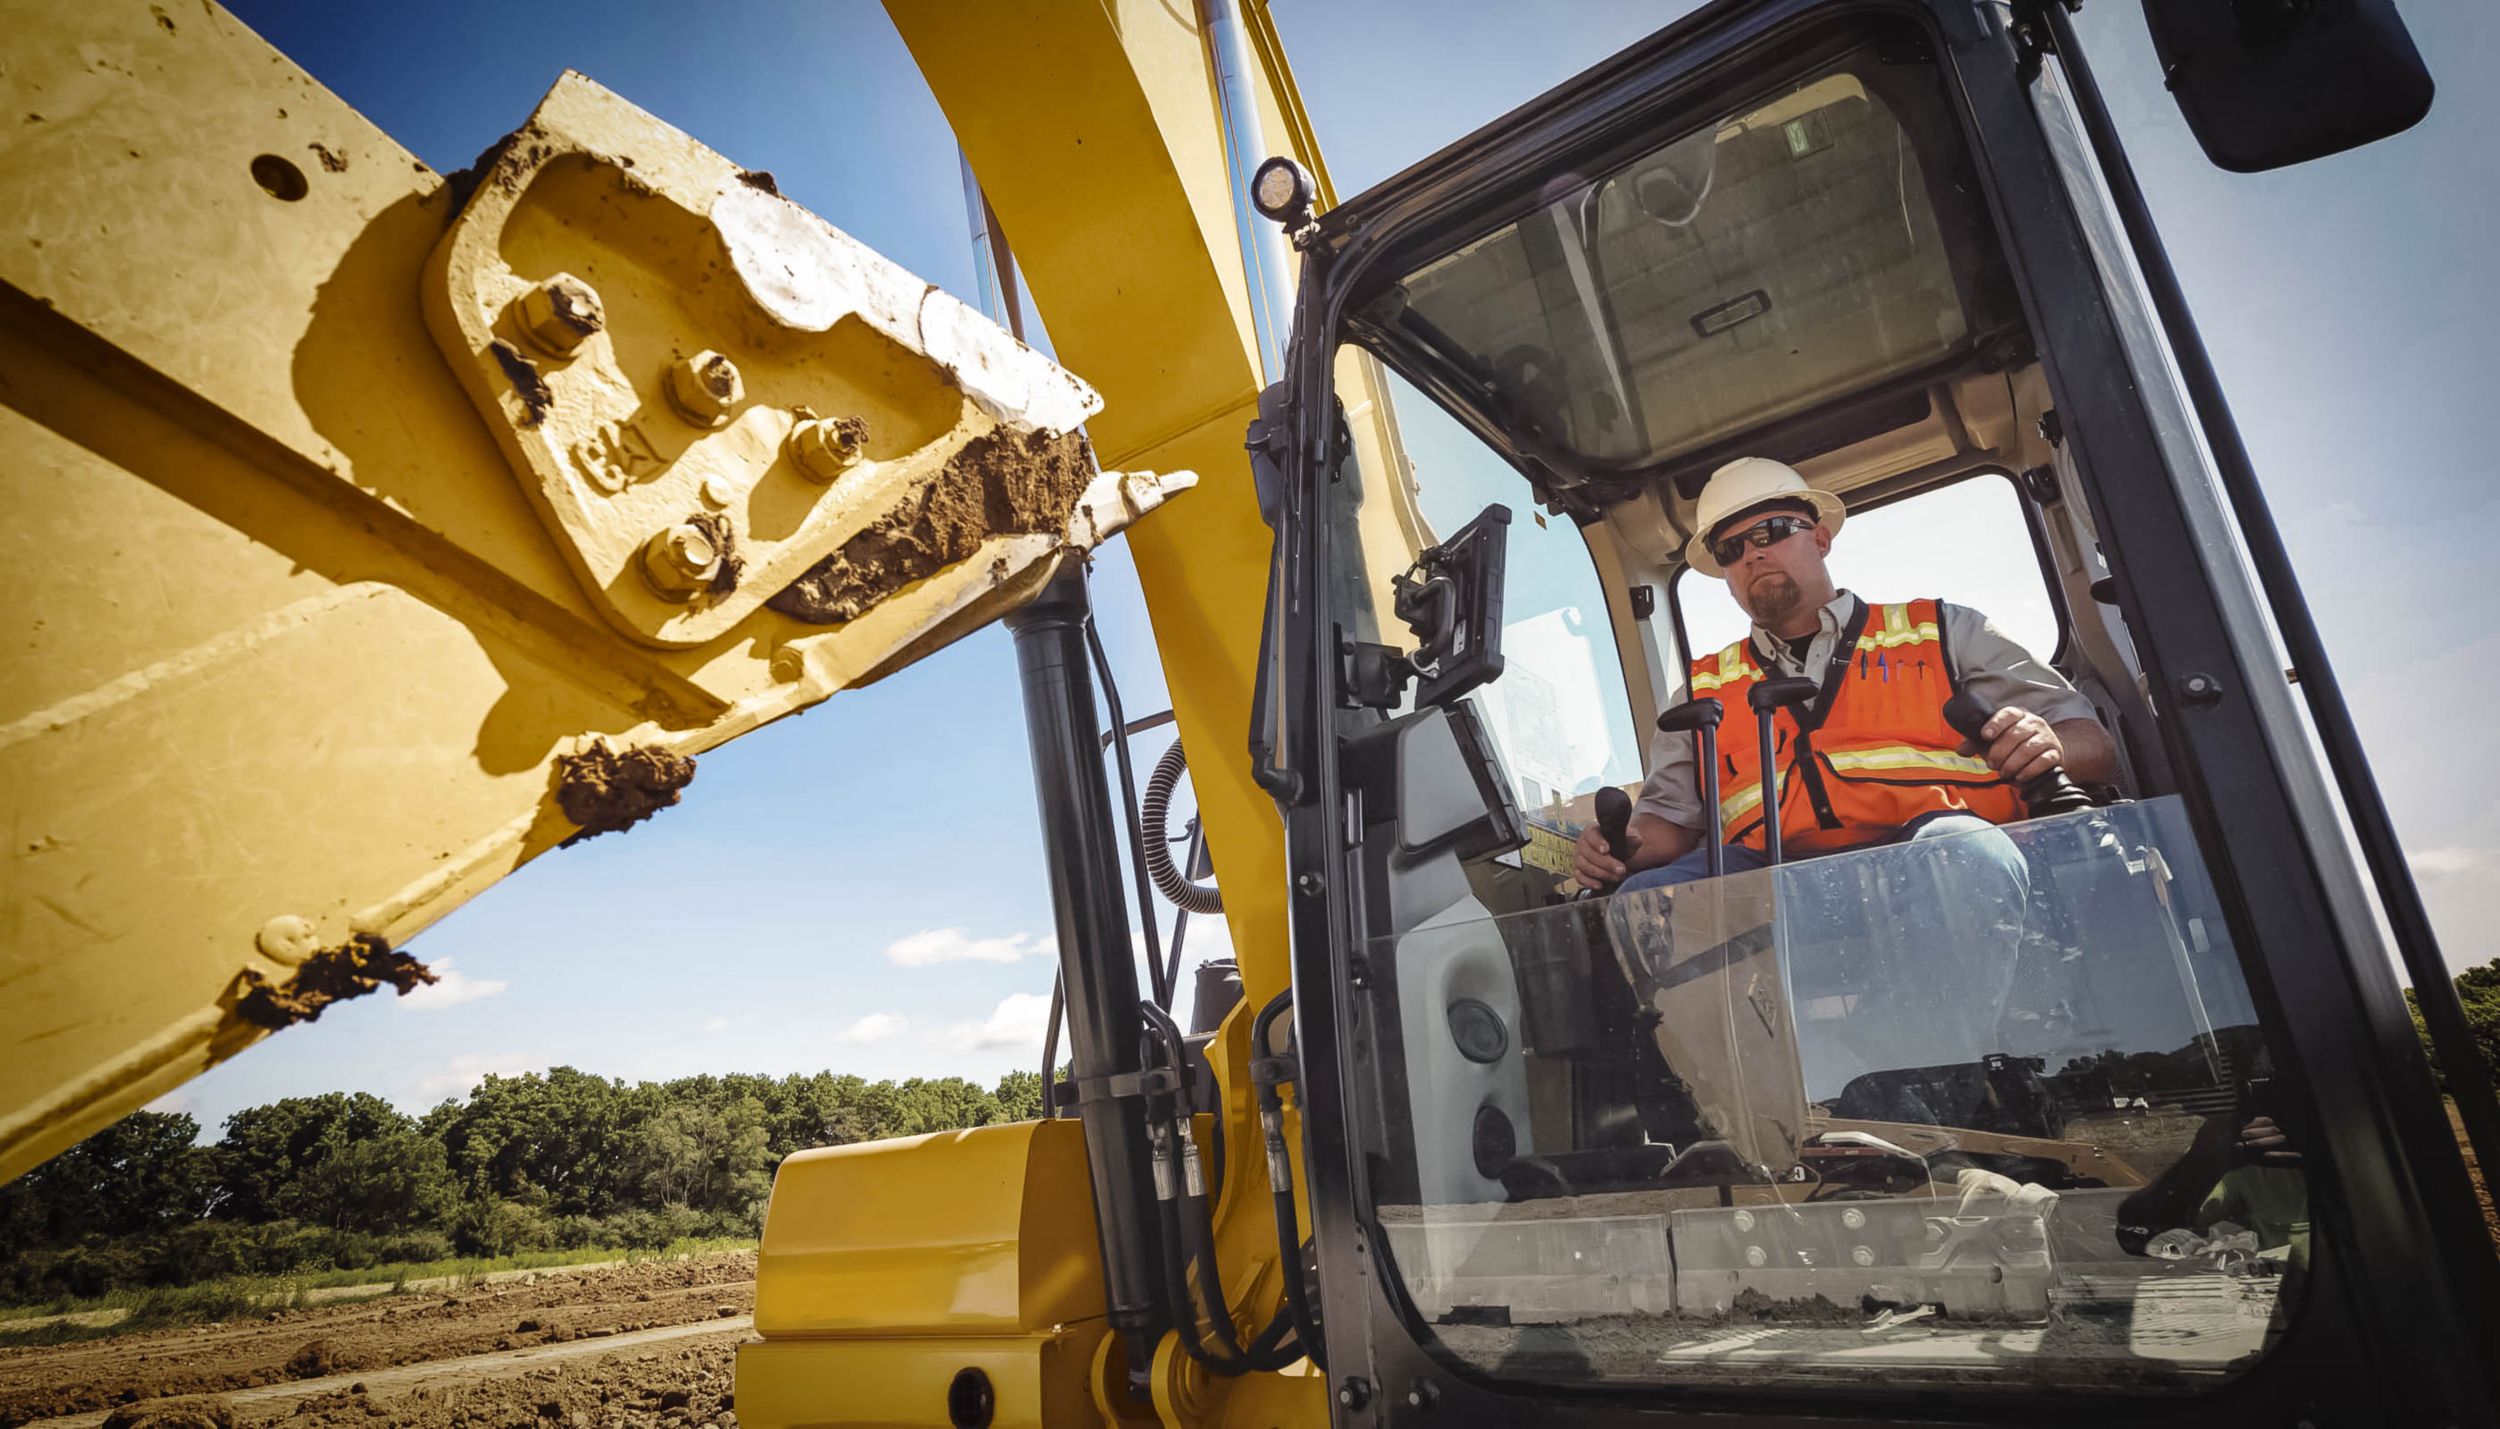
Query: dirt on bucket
{"x": 1004, "y": 483}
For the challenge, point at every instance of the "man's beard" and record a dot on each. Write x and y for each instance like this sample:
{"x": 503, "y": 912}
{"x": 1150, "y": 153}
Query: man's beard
{"x": 1774, "y": 598}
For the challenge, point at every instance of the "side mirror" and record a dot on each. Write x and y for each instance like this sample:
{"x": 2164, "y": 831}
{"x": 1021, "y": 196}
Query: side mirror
{"x": 2266, "y": 83}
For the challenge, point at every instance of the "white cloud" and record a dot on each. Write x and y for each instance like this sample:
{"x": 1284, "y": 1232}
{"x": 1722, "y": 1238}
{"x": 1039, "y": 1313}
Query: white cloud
{"x": 2430, "y": 863}
{"x": 172, "y": 1103}
{"x": 450, "y": 988}
{"x": 953, "y": 945}
{"x": 1018, "y": 1023}
{"x": 875, "y": 1027}
{"x": 715, "y": 1024}
{"x": 460, "y": 1076}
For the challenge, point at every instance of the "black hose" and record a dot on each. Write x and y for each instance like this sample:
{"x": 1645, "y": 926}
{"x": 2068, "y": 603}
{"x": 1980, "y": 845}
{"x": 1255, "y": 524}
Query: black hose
{"x": 1188, "y": 1228}
{"x": 1136, "y": 832}
{"x": 1169, "y": 881}
{"x": 1266, "y": 1075}
{"x": 1050, "y": 1043}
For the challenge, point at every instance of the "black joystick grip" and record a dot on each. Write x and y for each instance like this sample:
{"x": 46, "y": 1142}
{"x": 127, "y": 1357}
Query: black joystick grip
{"x": 1614, "y": 820}
{"x": 1693, "y": 715}
{"x": 1768, "y": 695}
{"x": 2050, "y": 793}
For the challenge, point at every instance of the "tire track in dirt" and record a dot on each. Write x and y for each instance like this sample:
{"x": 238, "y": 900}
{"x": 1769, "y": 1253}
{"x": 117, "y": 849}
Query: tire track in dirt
{"x": 363, "y": 1340}
{"x": 376, "y": 1385}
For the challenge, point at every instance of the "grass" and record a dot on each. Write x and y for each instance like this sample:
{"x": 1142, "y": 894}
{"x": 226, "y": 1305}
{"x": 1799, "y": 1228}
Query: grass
{"x": 235, "y": 1296}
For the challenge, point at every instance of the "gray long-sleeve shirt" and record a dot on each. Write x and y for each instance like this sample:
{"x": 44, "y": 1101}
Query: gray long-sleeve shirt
{"x": 1990, "y": 665}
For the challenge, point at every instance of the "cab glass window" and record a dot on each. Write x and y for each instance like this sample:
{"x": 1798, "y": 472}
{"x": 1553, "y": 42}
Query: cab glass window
{"x": 1967, "y": 543}
{"x": 1987, "y": 1108}
{"x": 1558, "y": 715}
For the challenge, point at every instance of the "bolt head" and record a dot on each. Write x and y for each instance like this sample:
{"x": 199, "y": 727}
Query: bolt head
{"x": 559, "y": 315}
{"x": 1853, "y": 1218}
{"x": 681, "y": 561}
{"x": 718, "y": 491}
{"x": 288, "y": 939}
{"x": 1756, "y": 1256}
{"x": 705, "y": 388}
{"x": 788, "y": 664}
{"x": 1744, "y": 1220}
{"x": 1861, "y": 1255}
{"x": 824, "y": 448}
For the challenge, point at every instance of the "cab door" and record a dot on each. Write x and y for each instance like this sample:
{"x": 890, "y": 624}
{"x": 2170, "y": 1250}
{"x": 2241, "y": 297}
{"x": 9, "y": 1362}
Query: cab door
{"x": 1581, "y": 357}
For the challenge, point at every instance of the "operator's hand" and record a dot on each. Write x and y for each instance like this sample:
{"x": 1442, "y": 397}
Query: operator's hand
{"x": 1592, "y": 865}
{"x": 2019, "y": 745}
{"x": 2263, "y": 1143}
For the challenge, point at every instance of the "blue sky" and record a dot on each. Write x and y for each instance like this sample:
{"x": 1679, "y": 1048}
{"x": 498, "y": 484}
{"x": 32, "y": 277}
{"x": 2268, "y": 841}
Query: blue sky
{"x": 860, "y": 888}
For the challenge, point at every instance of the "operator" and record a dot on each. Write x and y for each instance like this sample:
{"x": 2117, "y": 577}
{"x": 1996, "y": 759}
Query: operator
{"x": 1881, "y": 766}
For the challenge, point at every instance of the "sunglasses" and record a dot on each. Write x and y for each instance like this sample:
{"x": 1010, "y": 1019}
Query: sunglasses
{"x": 1727, "y": 550}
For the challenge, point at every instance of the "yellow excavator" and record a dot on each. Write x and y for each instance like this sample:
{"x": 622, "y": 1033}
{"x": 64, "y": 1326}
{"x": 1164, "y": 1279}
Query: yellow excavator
{"x": 382, "y": 530}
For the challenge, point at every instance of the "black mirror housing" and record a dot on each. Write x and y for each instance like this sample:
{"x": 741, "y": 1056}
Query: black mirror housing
{"x": 2268, "y": 83}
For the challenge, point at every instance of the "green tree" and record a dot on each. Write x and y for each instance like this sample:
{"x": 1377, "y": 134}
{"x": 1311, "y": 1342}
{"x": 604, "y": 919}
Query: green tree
{"x": 143, "y": 1173}
{"x": 266, "y": 1148}
{"x": 2478, "y": 989}
{"x": 1019, "y": 1096}
{"x": 399, "y": 1181}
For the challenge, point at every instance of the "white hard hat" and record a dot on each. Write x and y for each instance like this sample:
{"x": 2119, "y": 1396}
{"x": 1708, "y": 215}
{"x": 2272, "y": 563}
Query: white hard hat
{"x": 1739, "y": 487}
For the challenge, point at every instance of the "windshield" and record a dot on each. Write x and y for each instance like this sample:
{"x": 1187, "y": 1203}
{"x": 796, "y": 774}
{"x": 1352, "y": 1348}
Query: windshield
{"x": 1968, "y": 1110}
{"x": 1800, "y": 249}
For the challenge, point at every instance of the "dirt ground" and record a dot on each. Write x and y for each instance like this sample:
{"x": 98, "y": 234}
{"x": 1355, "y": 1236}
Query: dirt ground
{"x": 675, "y": 1327}
{"x": 2482, "y": 1186}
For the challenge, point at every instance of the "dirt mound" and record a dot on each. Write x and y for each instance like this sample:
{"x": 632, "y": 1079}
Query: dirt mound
{"x": 355, "y": 1337}
{"x": 312, "y": 1361}
{"x": 666, "y": 1389}
{"x": 193, "y": 1412}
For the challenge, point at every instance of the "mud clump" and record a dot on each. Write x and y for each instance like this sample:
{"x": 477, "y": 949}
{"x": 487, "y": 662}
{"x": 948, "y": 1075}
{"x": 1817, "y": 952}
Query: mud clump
{"x": 1752, "y": 1304}
{"x": 360, "y": 965}
{"x": 197, "y": 1411}
{"x": 536, "y": 396}
{"x": 1004, "y": 483}
{"x": 717, "y": 529}
{"x": 604, "y": 789}
{"x": 312, "y": 1361}
{"x": 760, "y": 179}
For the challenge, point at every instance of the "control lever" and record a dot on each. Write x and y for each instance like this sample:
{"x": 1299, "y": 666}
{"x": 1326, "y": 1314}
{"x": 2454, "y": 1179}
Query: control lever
{"x": 2050, "y": 793}
{"x": 1614, "y": 820}
{"x": 1700, "y": 718}
{"x": 1767, "y": 698}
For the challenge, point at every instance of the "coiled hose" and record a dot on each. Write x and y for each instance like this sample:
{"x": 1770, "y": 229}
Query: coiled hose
{"x": 1154, "y": 812}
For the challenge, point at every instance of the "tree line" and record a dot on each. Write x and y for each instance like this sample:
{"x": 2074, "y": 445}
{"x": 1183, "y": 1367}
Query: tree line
{"x": 556, "y": 1161}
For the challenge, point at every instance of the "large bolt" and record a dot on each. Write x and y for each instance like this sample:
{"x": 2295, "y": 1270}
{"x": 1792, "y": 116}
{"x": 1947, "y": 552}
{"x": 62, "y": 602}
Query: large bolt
{"x": 681, "y": 561}
{"x": 559, "y": 315}
{"x": 1862, "y": 1255}
{"x": 824, "y": 448}
{"x": 703, "y": 388}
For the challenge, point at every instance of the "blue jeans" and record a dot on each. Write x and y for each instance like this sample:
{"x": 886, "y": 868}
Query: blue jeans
{"x": 1891, "y": 961}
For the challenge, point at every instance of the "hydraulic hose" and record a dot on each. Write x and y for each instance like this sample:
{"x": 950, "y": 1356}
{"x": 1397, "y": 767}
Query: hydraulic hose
{"x": 1269, "y": 1072}
{"x": 1189, "y": 1231}
{"x": 1155, "y": 813}
{"x": 1136, "y": 832}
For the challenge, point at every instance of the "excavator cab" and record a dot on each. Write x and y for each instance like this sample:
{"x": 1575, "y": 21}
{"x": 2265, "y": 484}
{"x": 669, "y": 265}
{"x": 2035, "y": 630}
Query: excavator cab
{"x": 1776, "y": 1140}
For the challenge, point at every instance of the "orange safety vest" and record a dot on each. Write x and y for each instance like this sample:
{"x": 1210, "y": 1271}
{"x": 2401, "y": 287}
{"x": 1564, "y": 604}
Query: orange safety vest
{"x": 1875, "y": 752}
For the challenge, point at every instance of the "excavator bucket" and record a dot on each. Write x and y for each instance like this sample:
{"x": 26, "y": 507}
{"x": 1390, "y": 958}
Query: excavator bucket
{"x": 375, "y": 532}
